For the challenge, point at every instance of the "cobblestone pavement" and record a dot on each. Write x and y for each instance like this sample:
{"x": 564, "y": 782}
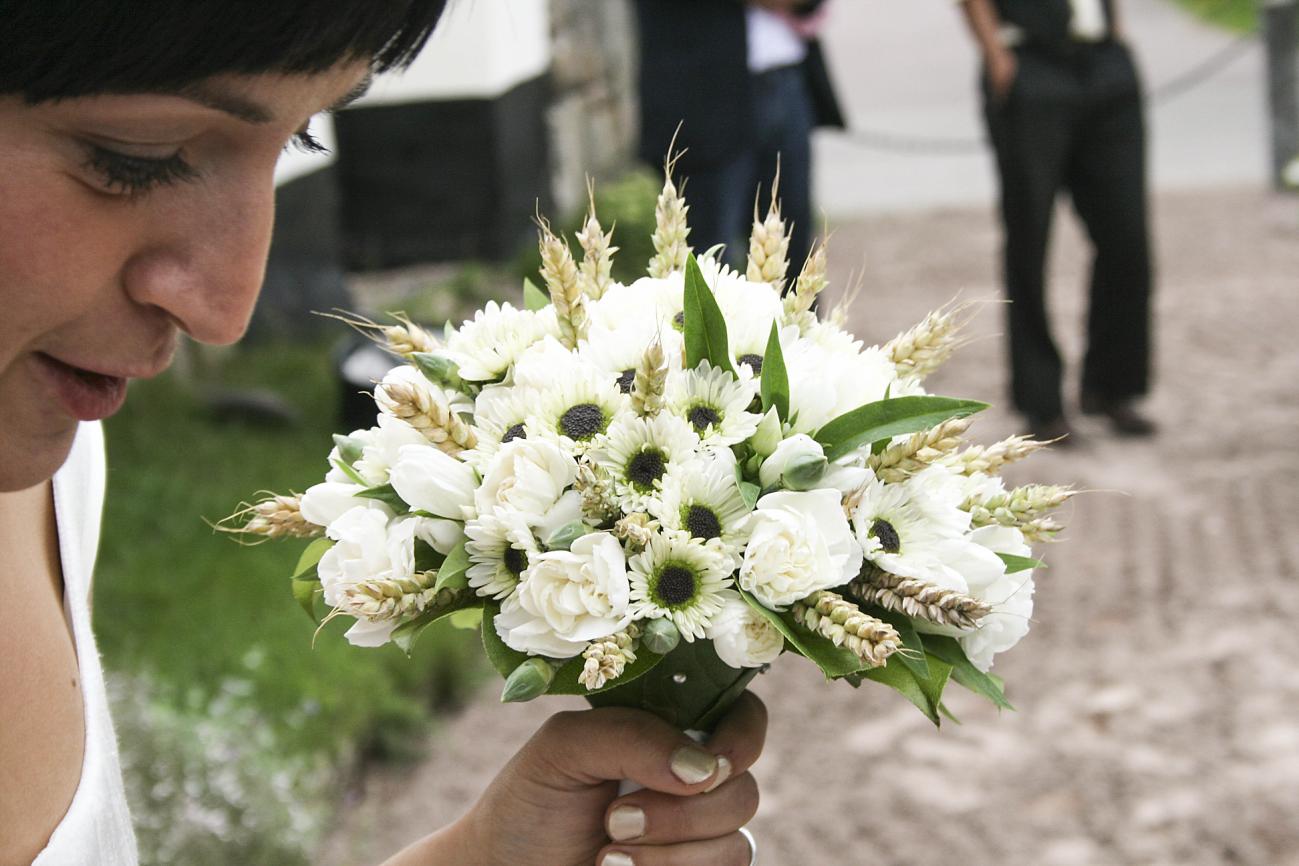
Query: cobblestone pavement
{"x": 1159, "y": 688}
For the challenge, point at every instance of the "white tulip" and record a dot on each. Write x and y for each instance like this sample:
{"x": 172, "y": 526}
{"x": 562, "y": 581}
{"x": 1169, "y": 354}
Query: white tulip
{"x": 429, "y": 480}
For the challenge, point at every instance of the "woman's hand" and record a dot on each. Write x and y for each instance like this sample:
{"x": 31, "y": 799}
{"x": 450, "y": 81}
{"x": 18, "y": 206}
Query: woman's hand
{"x": 554, "y": 803}
{"x": 1003, "y": 66}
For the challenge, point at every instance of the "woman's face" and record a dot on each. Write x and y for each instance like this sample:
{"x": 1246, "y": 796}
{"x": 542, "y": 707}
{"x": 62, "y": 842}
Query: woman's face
{"x": 123, "y": 220}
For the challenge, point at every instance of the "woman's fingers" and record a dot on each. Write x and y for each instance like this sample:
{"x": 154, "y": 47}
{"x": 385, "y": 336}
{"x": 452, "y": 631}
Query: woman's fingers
{"x": 651, "y": 818}
{"x": 729, "y": 850}
{"x": 616, "y": 743}
{"x": 740, "y": 735}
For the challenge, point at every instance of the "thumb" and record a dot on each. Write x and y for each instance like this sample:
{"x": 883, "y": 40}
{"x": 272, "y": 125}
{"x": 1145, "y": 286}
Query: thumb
{"x": 590, "y": 747}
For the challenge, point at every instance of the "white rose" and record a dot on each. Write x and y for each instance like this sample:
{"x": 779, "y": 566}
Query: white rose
{"x": 567, "y": 598}
{"x": 798, "y": 543}
{"x": 1012, "y": 608}
{"x": 801, "y": 456}
{"x": 742, "y": 637}
{"x": 364, "y": 550}
{"x": 429, "y": 480}
{"x": 528, "y": 476}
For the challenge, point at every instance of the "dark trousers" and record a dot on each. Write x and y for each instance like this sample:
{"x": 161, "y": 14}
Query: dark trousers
{"x": 1073, "y": 122}
{"x": 722, "y": 196}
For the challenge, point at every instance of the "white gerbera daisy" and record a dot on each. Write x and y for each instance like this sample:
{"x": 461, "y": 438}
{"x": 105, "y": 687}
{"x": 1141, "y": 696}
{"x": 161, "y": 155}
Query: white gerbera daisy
{"x": 906, "y": 529}
{"x": 543, "y": 363}
{"x": 703, "y": 500}
{"x": 638, "y": 452}
{"x": 679, "y": 579}
{"x": 714, "y": 402}
{"x": 617, "y": 352}
{"x": 577, "y": 408}
{"x": 649, "y": 299}
{"x": 500, "y": 412}
{"x": 500, "y": 546}
{"x": 485, "y": 346}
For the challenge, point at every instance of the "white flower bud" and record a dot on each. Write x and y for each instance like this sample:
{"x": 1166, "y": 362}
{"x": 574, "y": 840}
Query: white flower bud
{"x": 798, "y": 462}
{"x": 529, "y": 680}
{"x": 767, "y": 437}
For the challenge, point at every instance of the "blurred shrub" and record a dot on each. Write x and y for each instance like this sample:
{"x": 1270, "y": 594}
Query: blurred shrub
{"x": 205, "y": 632}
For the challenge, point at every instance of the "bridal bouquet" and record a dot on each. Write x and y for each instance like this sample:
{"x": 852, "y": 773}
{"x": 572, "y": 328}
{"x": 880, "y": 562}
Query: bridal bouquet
{"x": 646, "y": 493}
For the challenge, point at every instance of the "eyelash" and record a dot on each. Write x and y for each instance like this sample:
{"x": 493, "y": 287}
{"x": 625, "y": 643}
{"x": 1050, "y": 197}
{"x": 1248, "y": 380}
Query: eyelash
{"x": 133, "y": 176}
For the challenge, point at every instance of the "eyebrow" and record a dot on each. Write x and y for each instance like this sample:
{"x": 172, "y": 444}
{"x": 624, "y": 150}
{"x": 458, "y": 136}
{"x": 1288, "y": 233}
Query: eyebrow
{"x": 250, "y": 111}
{"x": 362, "y": 87}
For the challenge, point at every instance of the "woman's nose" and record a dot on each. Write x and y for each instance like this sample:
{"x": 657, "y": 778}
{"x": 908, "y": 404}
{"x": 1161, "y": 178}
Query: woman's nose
{"x": 205, "y": 265}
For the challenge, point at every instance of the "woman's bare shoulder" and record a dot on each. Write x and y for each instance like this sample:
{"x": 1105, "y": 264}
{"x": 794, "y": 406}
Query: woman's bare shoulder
{"x": 41, "y": 713}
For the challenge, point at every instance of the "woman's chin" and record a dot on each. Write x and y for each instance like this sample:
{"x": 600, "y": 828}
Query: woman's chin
{"x": 29, "y": 460}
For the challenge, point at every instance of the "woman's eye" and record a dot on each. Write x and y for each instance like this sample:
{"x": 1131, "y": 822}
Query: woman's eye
{"x": 304, "y": 141}
{"x": 130, "y": 175}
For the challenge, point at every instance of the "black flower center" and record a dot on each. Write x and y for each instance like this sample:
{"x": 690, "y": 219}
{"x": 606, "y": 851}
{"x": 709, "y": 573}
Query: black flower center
{"x": 888, "y": 536}
{"x": 679, "y": 320}
{"x": 676, "y": 585}
{"x": 582, "y": 421}
{"x": 701, "y": 522}
{"x": 515, "y": 432}
{"x": 645, "y": 468}
{"x": 625, "y": 378}
{"x": 754, "y": 363}
{"x": 515, "y": 560}
{"x": 701, "y": 416}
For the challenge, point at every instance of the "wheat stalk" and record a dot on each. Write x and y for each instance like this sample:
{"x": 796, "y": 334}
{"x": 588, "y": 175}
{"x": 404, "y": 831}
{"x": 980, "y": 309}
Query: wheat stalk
{"x": 670, "y": 227}
{"x": 597, "y": 253}
{"x": 918, "y": 598}
{"x": 924, "y": 348}
{"x": 899, "y": 462}
{"x": 834, "y": 617}
{"x": 651, "y": 380}
{"x": 426, "y": 407}
{"x": 271, "y": 518}
{"x": 769, "y": 243}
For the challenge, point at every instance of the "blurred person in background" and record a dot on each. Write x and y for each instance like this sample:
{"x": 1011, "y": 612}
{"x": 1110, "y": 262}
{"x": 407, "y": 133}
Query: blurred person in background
{"x": 138, "y": 144}
{"x": 746, "y": 82}
{"x": 1063, "y": 106}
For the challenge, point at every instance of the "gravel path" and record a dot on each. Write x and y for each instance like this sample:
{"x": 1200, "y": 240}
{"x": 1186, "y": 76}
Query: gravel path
{"x": 1158, "y": 693}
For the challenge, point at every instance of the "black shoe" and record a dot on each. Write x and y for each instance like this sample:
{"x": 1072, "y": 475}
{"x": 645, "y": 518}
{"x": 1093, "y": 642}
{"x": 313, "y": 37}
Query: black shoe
{"x": 1056, "y": 430}
{"x": 1123, "y": 415}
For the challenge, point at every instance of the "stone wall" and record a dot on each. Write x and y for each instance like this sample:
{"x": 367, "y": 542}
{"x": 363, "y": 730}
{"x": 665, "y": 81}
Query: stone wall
{"x": 593, "y": 113}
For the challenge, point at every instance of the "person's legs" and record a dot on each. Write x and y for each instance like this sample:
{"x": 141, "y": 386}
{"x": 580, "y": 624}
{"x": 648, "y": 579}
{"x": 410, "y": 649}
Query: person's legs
{"x": 719, "y": 198}
{"x": 783, "y": 116}
{"x": 1030, "y": 132}
{"x": 1108, "y": 184}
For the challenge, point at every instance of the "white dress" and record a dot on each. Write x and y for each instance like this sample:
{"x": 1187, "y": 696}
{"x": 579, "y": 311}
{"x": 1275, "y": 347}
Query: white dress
{"x": 96, "y": 831}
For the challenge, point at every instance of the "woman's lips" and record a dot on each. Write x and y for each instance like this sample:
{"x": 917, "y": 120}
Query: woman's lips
{"x": 83, "y": 394}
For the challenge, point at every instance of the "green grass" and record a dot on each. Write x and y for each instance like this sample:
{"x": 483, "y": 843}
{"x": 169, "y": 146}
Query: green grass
{"x": 196, "y": 612}
{"x": 1239, "y": 16}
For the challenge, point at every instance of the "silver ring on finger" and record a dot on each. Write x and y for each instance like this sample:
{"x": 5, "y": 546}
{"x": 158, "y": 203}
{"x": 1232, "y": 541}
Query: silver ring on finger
{"x": 753, "y": 845}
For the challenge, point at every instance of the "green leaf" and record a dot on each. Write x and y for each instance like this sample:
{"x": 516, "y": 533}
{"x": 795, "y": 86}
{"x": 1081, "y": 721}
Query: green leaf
{"x": 438, "y": 369}
{"x": 451, "y": 573}
{"x": 1020, "y": 563}
{"x": 565, "y": 682}
{"x": 504, "y": 659}
{"x": 347, "y": 470}
{"x": 750, "y": 493}
{"x": 834, "y": 661}
{"x": 533, "y": 297}
{"x": 775, "y": 379}
{"x": 885, "y": 419}
{"x": 311, "y": 556}
{"x": 304, "y": 593}
{"x": 924, "y": 692}
{"x": 707, "y": 688}
{"x": 703, "y": 323}
{"x": 386, "y": 494}
{"x": 468, "y": 619}
{"x": 405, "y": 635}
{"x": 964, "y": 672}
{"x": 349, "y": 449}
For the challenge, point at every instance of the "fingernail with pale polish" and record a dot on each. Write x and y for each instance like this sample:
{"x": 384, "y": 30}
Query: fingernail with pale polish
{"x": 723, "y": 773}
{"x": 626, "y": 823}
{"x": 693, "y": 765}
{"x": 617, "y": 858}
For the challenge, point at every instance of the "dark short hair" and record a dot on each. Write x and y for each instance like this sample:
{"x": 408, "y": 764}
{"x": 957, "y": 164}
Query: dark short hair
{"x": 55, "y": 49}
